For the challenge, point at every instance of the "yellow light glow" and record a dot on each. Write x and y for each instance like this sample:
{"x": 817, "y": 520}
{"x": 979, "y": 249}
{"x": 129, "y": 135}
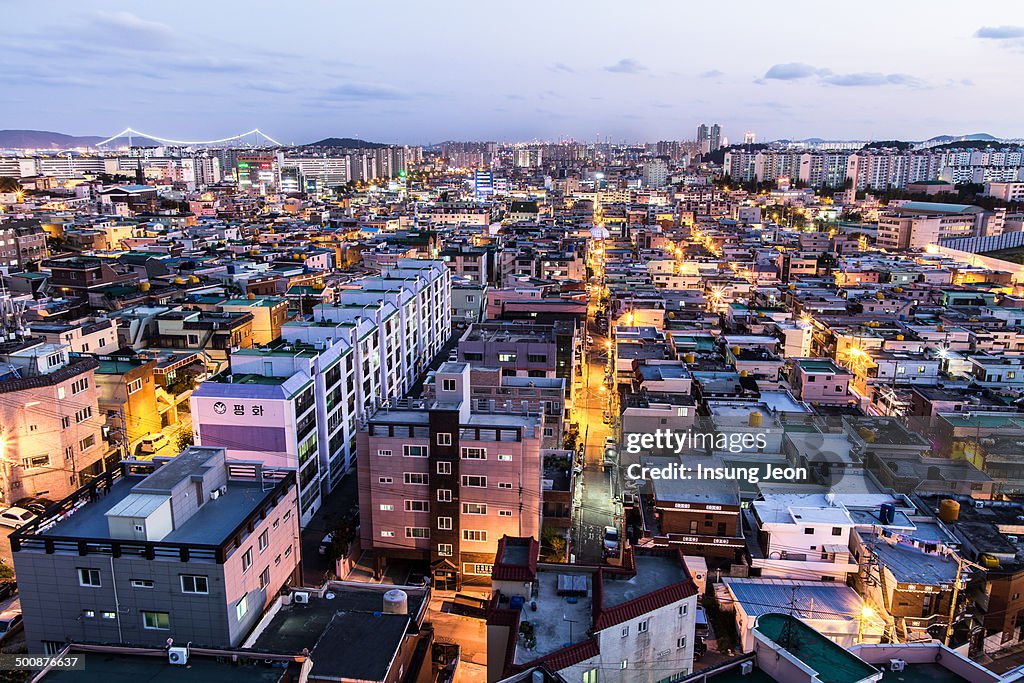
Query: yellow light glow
{"x": 866, "y": 612}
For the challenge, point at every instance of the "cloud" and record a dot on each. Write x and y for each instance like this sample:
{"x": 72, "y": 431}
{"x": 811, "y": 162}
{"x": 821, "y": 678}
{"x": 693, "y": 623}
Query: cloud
{"x": 366, "y": 92}
{"x": 626, "y": 66}
{"x": 273, "y": 87}
{"x": 862, "y": 79}
{"x": 798, "y": 71}
{"x": 713, "y": 73}
{"x": 127, "y": 30}
{"x": 792, "y": 71}
{"x": 1000, "y": 32}
{"x": 562, "y": 68}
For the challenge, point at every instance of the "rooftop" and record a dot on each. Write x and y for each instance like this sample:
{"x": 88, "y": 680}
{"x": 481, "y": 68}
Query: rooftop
{"x": 108, "y": 667}
{"x": 910, "y": 565}
{"x": 829, "y": 661}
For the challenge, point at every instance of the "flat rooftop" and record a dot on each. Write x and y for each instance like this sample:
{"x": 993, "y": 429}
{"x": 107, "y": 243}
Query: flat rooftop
{"x": 123, "y": 668}
{"x": 653, "y": 572}
{"x": 210, "y": 525}
{"x": 829, "y": 661}
{"x": 560, "y": 620}
{"x": 910, "y": 565}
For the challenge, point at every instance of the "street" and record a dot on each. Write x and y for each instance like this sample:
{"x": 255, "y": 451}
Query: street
{"x": 593, "y": 509}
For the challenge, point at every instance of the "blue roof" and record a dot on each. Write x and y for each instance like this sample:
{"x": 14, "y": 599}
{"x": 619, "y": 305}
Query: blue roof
{"x": 803, "y": 599}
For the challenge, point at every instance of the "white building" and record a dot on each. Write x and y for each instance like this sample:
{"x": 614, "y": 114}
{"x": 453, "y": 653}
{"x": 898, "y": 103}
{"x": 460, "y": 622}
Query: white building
{"x": 802, "y": 536}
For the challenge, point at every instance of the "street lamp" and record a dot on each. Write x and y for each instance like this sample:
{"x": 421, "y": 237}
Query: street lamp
{"x": 866, "y": 612}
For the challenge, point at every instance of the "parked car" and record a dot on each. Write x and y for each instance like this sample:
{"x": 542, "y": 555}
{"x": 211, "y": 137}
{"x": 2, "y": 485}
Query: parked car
{"x": 15, "y": 517}
{"x": 10, "y": 620}
{"x": 611, "y": 541}
{"x": 151, "y": 443}
{"x": 325, "y": 543}
{"x": 34, "y": 504}
{"x": 8, "y": 588}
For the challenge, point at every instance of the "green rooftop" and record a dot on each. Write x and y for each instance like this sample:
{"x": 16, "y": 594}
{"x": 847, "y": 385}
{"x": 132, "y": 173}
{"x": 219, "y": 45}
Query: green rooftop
{"x": 829, "y": 661}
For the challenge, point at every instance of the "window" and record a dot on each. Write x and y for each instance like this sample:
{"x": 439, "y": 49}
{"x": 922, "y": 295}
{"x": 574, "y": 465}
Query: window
{"x": 474, "y": 535}
{"x": 474, "y": 508}
{"x": 507, "y": 357}
{"x": 415, "y": 478}
{"x": 35, "y": 461}
{"x": 158, "y": 621}
{"x": 89, "y": 613}
{"x": 108, "y": 615}
{"x": 444, "y": 438}
{"x": 537, "y": 358}
{"x": 471, "y": 357}
{"x": 386, "y": 507}
{"x": 65, "y": 422}
{"x": 474, "y": 481}
{"x": 477, "y": 569}
{"x": 89, "y": 577}
{"x": 448, "y": 384}
{"x": 387, "y": 533}
{"x": 683, "y": 609}
{"x": 444, "y": 495}
{"x": 287, "y": 551}
{"x": 808, "y": 531}
{"x": 385, "y": 480}
{"x": 417, "y": 506}
{"x": 411, "y": 451}
{"x": 265, "y": 578}
{"x": 444, "y": 468}
{"x": 54, "y": 360}
{"x": 590, "y": 676}
{"x": 264, "y": 540}
{"x": 247, "y": 559}
{"x": 87, "y": 443}
{"x": 142, "y": 583}
{"x": 444, "y": 523}
{"x": 417, "y": 532}
{"x": 504, "y": 513}
{"x": 505, "y": 458}
{"x": 242, "y": 607}
{"x": 624, "y": 663}
{"x": 681, "y": 642}
{"x": 504, "y": 484}
{"x": 69, "y": 452}
{"x": 445, "y": 550}
{"x": 625, "y": 631}
{"x": 83, "y": 414}
{"x": 194, "y": 584}
{"x": 474, "y": 453}
{"x": 384, "y": 453}
{"x": 837, "y": 531}
{"x": 79, "y": 385}
{"x": 134, "y": 386}
{"x": 642, "y": 626}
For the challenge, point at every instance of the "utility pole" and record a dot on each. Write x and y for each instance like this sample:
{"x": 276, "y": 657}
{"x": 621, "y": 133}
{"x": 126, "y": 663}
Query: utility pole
{"x": 960, "y": 565}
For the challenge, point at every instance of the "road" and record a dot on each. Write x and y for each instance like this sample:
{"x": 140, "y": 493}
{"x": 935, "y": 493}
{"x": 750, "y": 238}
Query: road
{"x": 594, "y": 510}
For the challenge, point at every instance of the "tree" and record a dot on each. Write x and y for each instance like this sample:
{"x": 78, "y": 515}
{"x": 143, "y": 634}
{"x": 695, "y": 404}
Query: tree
{"x": 184, "y": 439}
{"x": 552, "y": 545}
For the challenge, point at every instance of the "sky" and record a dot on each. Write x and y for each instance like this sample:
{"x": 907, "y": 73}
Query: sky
{"x": 417, "y": 72}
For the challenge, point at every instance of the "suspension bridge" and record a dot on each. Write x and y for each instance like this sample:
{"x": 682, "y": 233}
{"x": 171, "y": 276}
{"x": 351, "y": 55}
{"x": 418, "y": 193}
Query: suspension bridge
{"x": 130, "y": 136}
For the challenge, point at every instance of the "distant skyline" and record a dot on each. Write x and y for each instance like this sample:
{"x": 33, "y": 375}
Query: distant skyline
{"x": 419, "y": 73}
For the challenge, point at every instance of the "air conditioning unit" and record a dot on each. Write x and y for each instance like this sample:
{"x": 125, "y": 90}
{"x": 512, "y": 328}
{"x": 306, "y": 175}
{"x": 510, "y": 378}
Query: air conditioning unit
{"x": 897, "y": 664}
{"x": 746, "y": 668}
{"x": 177, "y": 655}
{"x": 215, "y": 494}
{"x": 301, "y": 597}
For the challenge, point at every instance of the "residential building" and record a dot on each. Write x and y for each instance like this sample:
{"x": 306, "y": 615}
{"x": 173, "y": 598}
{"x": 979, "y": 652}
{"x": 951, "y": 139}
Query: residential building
{"x": 591, "y": 623}
{"x": 50, "y": 420}
{"x": 193, "y": 551}
{"x": 442, "y": 480}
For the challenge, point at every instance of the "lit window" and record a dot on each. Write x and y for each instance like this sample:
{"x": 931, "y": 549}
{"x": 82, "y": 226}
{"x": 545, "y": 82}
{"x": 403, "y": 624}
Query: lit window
{"x": 242, "y": 607}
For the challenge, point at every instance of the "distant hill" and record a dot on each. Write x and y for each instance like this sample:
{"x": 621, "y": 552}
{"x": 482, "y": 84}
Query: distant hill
{"x": 347, "y": 143}
{"x": 957, "y": 138}
{"x": 39, "y": 139}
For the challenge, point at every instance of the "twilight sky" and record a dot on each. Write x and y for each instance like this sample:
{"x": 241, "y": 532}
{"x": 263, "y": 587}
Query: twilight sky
{"x": 421, "y": 72}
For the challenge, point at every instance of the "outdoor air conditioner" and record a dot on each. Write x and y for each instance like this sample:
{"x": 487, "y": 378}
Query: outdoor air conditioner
{"x": 897, "y": 664}
{"x": 301, "y": 597}
{"x": 746, "y": 668}
{"x": 177, "y": 655}
{"x": 215, "y": 494}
